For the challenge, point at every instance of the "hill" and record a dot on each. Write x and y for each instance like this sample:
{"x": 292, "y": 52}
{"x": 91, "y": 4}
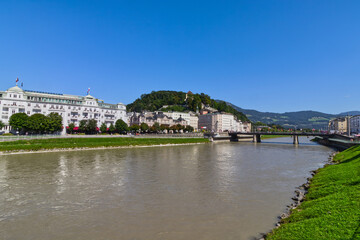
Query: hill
{"x": 350, "y": 113}
{"x": 301, "y": 119}
{"x": 180, "y": 101}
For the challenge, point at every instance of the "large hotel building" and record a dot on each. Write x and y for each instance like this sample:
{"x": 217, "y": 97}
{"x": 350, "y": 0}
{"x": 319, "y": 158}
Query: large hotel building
{"x": 72, "y": 108}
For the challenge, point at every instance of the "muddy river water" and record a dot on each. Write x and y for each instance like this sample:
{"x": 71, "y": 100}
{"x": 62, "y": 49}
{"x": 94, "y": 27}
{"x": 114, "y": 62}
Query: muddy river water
{"x": 206, "y": 191}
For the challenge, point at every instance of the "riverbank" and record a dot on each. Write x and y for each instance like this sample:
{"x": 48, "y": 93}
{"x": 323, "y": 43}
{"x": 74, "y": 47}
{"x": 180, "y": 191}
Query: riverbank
{"x": 331, "y": 207}
{"x": 60, "y": 144}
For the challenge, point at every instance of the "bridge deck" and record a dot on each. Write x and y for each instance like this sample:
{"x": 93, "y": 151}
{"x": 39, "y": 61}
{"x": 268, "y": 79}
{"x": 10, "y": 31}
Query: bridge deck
{"x": 283, "y": 134}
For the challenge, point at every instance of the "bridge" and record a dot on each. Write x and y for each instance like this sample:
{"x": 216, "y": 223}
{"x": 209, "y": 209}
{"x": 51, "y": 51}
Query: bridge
{"x": 234, "y": 136}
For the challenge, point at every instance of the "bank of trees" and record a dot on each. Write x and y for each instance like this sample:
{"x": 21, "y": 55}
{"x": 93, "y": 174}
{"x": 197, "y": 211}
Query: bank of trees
{"x": 157, "y": 128}
{"x": 90, "y": 127}
{"x": 36, "y": 123}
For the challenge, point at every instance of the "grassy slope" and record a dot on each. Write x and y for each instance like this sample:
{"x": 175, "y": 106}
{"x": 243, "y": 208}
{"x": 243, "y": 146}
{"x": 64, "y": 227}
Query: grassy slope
{"x": 43, "y": 144}
{"x": 331, "y": 209}
{"x": 272, "y": 136}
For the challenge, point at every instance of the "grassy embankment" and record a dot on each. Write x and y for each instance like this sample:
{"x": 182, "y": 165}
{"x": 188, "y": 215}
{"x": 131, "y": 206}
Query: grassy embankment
{"x": 273, "y": 136}
{"x": 331, "y": 209}
{"x": 63, "y": 143}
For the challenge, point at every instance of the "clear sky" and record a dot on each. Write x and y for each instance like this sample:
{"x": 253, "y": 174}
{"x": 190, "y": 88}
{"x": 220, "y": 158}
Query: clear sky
{"x": 266, "y": 55}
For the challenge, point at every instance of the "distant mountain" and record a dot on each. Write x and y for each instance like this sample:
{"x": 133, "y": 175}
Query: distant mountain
{"x": 301, "y": 119}
{"x": 350, "y": 113}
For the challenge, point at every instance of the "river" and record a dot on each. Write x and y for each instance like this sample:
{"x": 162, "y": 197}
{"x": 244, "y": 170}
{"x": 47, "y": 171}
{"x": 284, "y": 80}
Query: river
{"x": 206, "y": 191}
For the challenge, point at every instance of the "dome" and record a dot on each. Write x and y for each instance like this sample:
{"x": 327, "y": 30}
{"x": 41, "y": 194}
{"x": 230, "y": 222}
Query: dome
{"x": 89, "y": 97}
{"x": 15, "y": 89}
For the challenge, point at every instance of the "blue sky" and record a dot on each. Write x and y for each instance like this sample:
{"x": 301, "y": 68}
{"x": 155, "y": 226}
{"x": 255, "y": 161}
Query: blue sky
{"x": 266, "y": 55}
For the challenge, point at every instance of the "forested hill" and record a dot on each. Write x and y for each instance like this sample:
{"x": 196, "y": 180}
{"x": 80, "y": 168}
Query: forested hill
{"x": 301, "y": 119}
{"x": 180, "y": 101}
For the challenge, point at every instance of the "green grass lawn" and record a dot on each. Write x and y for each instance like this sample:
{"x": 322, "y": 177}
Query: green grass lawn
{"x": 273, "y": 136}
{"x": 331, "y": 209}
{"x": 45, "y": 144}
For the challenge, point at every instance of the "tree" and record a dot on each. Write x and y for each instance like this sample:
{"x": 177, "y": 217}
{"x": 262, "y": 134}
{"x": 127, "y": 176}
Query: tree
{"x": 189, "y": 128}
{"x": 135, "y": 127}
{"x": 1, "y": 125}
{"x": 54, "y": 122}
{"x": 37, "y": 123}
{"x": 121, "y": 126}
{"x": 111, "y": 128}
{"x": 71, "y": 128}
{"x": 164, "y": 127}
{"x": 156, "y": 126}
{"x": 144, "y": 127}
{"x": 103, "y": 128}
{"x": 18, "y": 121}
{"x": 82, "y": 126}
{"x": 91, "y": 125}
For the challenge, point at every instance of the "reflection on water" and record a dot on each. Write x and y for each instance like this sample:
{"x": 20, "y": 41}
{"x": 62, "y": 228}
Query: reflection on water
{"x": 210, "y": 191}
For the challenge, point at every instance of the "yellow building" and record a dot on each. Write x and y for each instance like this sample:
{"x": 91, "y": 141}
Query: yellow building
{"x": 338, "y": 125}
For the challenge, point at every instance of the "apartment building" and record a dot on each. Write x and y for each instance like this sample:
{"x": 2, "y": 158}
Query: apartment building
{"x": 220, "y": 122}
{"x": 338, "y": 125}
{"x": 150, "y": 118}
{"x": 191, "y": 118}
{"x": 355, "y": 124}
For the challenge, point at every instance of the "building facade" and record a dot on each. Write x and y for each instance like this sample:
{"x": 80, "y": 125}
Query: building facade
{"x": 71, "y": 108}
{"x": 220, "y": 122}
{"x": 355, "y": 124}
{"x": 338, "y": 125}
{"x": 150, "y": 118}
{"x": 191, "y": 118}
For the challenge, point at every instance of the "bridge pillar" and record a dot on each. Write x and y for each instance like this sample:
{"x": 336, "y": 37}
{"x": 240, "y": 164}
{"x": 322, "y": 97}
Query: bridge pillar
{"x": 234, "y": 138}
{"x": 257, "y": 138}
{"x": 296, "y": 139}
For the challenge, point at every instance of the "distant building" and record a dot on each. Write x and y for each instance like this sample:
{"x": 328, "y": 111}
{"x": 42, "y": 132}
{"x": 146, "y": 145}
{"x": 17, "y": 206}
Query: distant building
{"x": 355, "y": 124}
{"x": 71, "y": 108}
{"x": 246, "y": 126}
{"x": 191, "y": 118}
{"x": 150, "y": 118}
{"x": 338, "y": 125}
{"x": 220, "y": 122}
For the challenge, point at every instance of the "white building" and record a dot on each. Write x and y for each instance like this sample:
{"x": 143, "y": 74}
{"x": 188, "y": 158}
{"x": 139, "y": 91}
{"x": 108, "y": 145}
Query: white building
{"x": 220, "y": 122}
{"x": 191, "y": 118}
{"x": 72, "y": 108}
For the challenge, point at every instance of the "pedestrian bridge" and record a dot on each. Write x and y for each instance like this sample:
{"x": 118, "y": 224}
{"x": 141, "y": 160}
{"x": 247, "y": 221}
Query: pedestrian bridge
{"x": 234, "y": 136}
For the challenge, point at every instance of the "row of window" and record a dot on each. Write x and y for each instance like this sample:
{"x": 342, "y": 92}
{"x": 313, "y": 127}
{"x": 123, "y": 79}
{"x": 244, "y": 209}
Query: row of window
{"x": 15, "y": 96}
{"x": 44, "y": 99}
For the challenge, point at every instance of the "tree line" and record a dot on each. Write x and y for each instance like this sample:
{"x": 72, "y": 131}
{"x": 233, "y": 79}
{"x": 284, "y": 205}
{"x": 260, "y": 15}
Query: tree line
{"x": 36, "y": 123}
{"x": 156, "y": 128}
{"x": 90, "y": 127}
